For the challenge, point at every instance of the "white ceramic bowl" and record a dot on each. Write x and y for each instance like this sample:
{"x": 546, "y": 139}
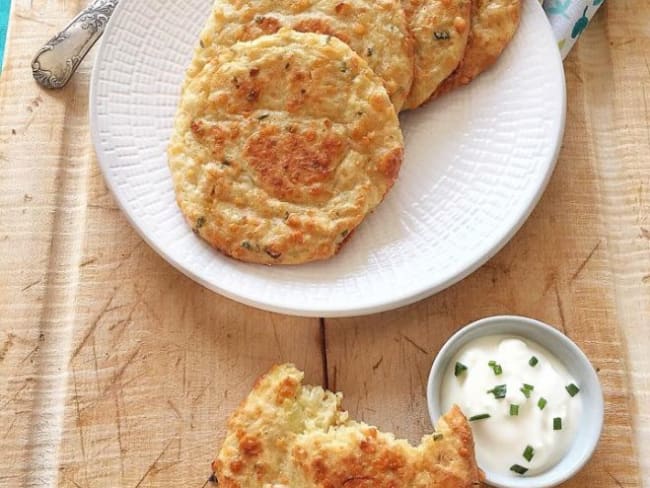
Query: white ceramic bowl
{"x": 576, "y": 363}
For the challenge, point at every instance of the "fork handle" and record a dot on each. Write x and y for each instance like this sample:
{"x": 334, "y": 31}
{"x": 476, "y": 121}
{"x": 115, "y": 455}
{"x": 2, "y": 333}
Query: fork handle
{"x": 56, "y": 61}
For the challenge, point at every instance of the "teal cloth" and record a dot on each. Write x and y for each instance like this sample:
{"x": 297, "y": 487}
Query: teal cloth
{"x": 5, "y": 6}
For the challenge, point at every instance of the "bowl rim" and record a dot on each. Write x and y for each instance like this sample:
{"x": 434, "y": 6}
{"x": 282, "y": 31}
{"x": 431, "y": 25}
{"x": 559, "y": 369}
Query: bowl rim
{"x": 518, "y": 325}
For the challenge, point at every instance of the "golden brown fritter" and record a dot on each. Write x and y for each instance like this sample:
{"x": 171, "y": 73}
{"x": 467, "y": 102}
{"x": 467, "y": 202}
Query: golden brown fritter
{"x": 376, "y": 30}
{"x": 440, "y": 29}
{"x": 494, "y": 23}
{"x": 282, "y": 145}
{"x": 286, "y": 434}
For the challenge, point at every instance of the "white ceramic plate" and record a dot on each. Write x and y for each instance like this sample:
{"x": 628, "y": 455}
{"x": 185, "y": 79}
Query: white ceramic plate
{"x": 477, "y": 161}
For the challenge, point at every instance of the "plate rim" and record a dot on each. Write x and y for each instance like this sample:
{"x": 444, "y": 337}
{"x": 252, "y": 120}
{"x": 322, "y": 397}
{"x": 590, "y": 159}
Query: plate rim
{"x": 349, "y": 310}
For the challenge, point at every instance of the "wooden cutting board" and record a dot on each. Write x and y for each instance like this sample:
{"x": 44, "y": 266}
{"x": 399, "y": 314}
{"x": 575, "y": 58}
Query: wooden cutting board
{"x": 116, "y": 370}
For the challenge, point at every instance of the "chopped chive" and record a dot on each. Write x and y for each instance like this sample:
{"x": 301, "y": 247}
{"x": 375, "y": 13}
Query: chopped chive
{"x": 437, "y": 436}
{"x": 572, "y": 389}
{"x": 479, "y": 417}
{"x": 518, "y": 469}
{"x": 496, "y": 367}
{"x": 498, "y": 391}
{"x": 557, "y": 423}
{"x": 529, "y": 452}
{"x": 533, "y": 361}
{"x": 541, "y": 403}
{"x": 526, "y": 389}
{"x": 514, "y": 410}
{"x": 459, "y": 369}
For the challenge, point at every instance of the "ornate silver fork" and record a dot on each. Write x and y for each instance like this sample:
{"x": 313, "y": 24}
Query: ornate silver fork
{"x": 56, "y": 62}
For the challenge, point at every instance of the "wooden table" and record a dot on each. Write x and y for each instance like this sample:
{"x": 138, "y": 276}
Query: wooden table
{"x": 116, "y": 370}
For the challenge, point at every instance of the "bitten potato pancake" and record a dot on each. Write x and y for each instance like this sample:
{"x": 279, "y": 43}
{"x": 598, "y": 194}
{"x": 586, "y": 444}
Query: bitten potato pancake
{"x": 289, "y": 435}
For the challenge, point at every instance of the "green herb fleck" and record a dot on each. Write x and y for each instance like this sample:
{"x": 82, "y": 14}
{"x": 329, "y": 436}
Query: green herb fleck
{"x": 572, "y": 389}
{"x": 441, "y": 35}
{"x": 247, "y": 245}
{"x": 263, "y": 116}
{"x": 479, "y": 417}
{"x": 557, "y": 423}
{"x": 459, "y": 369}
{"x": 344, "y": 67}
{"x": 529, "y": 452}
{"x": 496, "y": 367}
{"x": 541, "y": 403}
{"x": 514, "y": 410}
{"x": 437, "y": 436}
{"x": 200, "y": 222}
{"x": 498, "y": 391}
{"x": 345, "y": 233}
{"x": 518, "y": 469}
{"x": 526, "y": 389}
{"x": 370, "y": 51}
{"x": 533, "y": 361}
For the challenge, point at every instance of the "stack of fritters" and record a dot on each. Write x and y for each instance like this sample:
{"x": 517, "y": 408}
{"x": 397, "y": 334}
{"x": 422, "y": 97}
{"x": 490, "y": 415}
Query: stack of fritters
{"x": 287, "y": 133}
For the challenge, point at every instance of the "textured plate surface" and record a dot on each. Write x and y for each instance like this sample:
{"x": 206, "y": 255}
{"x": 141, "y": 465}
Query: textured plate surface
{"x": 477, "y": 161}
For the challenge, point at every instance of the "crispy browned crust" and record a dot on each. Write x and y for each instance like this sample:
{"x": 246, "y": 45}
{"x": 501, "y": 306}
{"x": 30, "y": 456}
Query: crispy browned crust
{"x": 494, "y": 23}
{"x": 440, "y": 30}
{"x": 289, "y": 435}
{"x": 282, "y": 146}
{"x": 376, "y": 30}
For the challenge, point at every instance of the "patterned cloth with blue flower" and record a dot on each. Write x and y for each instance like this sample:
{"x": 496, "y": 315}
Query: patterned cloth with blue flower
{"x": 568, "y": 19}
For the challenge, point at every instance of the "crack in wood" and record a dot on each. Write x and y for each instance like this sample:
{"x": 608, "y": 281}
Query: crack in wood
{"x": 414, "y": 344}
{"x": 152, "y": 466}
{"x": 560, "y": 309}
{"x": 618, "y": 483}
{"x": 378, "y": 363}
{"x": 32, "y": 284}
{"x": 120, "y": 372}
{"x": 93, "y": 326}
{"x": 323, "y": 350}
{"x": 82, "y": 442}
{"x": 585, "y": 262}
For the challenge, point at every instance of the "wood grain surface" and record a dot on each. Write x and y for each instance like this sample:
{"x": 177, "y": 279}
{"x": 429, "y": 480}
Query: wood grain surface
{"x": 116, "y": 370}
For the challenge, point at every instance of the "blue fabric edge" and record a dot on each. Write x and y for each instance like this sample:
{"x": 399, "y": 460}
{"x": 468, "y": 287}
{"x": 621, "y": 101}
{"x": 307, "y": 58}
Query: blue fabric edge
{"x": 5, "y": 8}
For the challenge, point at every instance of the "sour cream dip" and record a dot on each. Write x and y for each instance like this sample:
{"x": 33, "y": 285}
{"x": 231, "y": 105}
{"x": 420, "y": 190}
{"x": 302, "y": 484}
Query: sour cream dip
{"x": 522, "y": 403}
